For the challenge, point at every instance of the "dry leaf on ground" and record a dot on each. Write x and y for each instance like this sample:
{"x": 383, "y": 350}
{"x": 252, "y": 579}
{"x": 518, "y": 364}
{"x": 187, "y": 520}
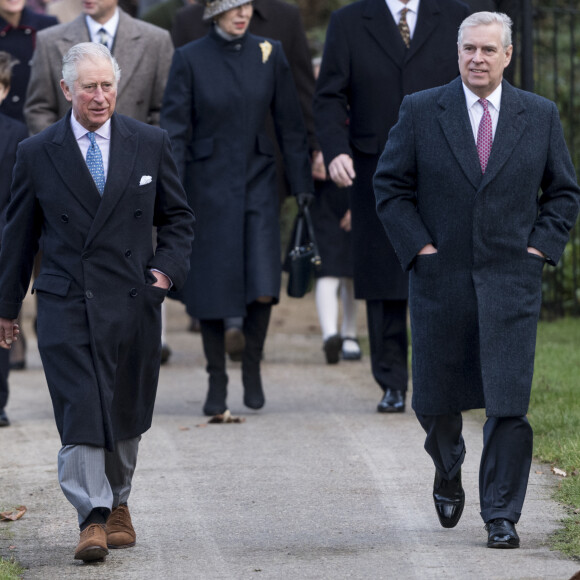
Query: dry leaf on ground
{"x": 558, "y": 471}
{"x": 13, "y": 515}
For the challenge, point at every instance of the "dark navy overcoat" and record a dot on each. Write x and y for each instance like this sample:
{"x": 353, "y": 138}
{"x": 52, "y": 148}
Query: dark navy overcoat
{"x": 475, "y": 304}
{"x": 99, "y": 317}
{"x": 215, "y": 108}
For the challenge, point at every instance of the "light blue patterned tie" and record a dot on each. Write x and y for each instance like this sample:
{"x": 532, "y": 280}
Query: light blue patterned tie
{"x": 95, "y": 163}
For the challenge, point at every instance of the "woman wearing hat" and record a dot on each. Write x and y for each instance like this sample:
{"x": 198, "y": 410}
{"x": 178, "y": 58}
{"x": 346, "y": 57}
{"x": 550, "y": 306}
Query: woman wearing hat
{"x": 220, "y": 92}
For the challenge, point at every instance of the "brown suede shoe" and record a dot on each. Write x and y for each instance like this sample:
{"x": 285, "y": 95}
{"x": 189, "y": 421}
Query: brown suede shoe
{"x": 92, "y": 544}
{"x": 120, "y": 532}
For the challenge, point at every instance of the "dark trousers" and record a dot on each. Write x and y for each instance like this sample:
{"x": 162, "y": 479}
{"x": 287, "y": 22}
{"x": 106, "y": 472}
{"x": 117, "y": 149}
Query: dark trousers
{"x": 387, "y": 326}
{"x": 505, "y": 460}
{"x": 4, "y": 370}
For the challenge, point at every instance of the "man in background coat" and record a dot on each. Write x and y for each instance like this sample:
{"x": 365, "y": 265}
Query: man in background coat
{"x": 11, "y": 133}
{"x": 457, "y": 191}
{"x": 100, "y": 286}
{"x": 143, "y": 51}
{"x": 367, "y": 69}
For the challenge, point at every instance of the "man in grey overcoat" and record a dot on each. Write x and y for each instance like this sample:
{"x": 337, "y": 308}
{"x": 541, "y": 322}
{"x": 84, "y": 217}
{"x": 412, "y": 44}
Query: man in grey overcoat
{"x": 87, "y": 191}
{"x": 457, "y": 192}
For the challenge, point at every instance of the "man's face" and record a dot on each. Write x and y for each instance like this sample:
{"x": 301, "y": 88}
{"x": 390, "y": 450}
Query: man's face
{"x": 482, "y": 58}
{"x": 99, "y": 10}
{"x": 94, "y": 93}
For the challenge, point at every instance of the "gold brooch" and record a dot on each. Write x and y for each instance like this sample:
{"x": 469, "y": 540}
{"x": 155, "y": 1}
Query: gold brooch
{"x": 266, "y": 50}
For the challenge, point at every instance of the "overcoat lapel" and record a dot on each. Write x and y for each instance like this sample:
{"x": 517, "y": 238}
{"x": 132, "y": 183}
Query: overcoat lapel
{"x": 510, "y": 128}
{"x": 454, "y": 121}
{"x": 66, "y": 156}
{"x": 381, "y": 26}
{"x": 129, "y": 48}
{"x": 427, "y": 20}
{"x": 121, "y": 161}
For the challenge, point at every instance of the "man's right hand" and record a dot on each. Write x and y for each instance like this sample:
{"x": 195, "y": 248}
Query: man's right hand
{"x": 9, "y": 332}
{"x": 341, "y": 170}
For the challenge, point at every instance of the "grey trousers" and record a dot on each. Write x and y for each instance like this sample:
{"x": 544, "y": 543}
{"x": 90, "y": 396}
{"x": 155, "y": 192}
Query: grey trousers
{"x": 91, "y": 477}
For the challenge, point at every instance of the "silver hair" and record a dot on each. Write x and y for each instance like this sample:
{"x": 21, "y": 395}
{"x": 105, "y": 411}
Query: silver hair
{"x": 82, "y": 51}
{"x": 487, "y": 18}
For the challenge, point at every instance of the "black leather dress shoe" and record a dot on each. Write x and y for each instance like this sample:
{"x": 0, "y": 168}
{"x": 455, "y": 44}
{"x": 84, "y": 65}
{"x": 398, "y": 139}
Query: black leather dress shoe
{"x": 392, "y": 402}
{"x": 4, "y": 422}
{"x": 501, "y": 533}
{"x": 449, "y": 499}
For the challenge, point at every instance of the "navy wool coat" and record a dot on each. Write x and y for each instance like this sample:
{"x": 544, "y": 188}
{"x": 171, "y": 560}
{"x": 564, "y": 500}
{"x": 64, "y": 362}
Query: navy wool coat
{"x": 475, "y": 304}
{"x": 215, "y": 108}
{"x": 366, "y": 71}
{"x": 99, "y": 328}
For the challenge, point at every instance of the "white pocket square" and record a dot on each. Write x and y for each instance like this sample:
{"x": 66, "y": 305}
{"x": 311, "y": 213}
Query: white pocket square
{"x": 145, "y": 179}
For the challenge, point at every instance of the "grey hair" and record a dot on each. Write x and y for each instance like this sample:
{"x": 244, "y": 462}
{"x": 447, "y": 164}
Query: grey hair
{"x": 486, "y": 18}
{"x": 82, "y": 51}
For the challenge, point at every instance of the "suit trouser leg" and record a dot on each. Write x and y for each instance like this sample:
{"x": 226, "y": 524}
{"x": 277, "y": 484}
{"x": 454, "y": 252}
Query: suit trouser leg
{"x": 505, "y": 467}
{"x": 83, "y": 472}
{"x": 4, "y": 371}
{"x": 387, "y": 326}
{"x": 444, "y": 442}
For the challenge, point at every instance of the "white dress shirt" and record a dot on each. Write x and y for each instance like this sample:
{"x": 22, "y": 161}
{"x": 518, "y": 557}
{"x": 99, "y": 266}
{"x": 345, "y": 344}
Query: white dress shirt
{"x": 396, "y": 6}
{"x": 110, "y": 26}
{"x": 103, "y": 139}
{"x": 475, "y": 109}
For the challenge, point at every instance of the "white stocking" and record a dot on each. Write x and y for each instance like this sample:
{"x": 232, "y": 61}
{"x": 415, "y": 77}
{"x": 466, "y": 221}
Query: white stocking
{"x": 327, "y": 305}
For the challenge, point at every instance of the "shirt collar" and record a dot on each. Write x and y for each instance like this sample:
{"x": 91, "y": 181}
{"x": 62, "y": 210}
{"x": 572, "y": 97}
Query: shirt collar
{"x": 395, "y": 6}
{"x": 110, "y": 26}
{"x": 495, "y": 98}
{"x": 79, "y": 131}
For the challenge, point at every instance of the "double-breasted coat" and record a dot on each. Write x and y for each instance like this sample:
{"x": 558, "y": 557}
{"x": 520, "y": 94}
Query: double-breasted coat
{"x": 475, "y": 303}
{"x": 215, "y": 108}
{"x": 99, "y": 317}
{"x": 365, "y": 73}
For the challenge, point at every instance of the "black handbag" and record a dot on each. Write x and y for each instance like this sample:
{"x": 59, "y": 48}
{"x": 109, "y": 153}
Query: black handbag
{"x": 303, "y": 258}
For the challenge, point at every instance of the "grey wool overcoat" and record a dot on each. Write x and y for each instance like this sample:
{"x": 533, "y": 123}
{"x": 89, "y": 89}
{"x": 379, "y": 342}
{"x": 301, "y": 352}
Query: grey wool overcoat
{"x": 99, "y": 317}
{"x": 215, "y": 108}
{"x": 475, "y": 304}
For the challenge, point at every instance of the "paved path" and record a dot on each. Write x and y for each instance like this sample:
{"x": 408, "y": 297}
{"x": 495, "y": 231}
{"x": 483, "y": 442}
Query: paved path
{"x": 317, "y": 485}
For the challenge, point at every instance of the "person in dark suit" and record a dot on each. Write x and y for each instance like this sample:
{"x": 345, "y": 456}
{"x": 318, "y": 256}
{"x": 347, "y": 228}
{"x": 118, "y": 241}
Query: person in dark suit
{"x": 18, "y": 28}
{"x": 11, "y": 133}
{"x": 457, "y": 192}
{"x": 220, "y": 92}
{"x": 368, "y": 66}
{"x": 88, "y": 190}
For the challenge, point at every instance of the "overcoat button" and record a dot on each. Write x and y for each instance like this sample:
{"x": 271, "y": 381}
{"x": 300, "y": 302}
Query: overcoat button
{"x": 133, "y": 292}
{"x": 85, "y": 256}
{"x": 238, "y": 47}
{"x": 27, "y": 31}
{"x": 138, "y": 213}
{"x": 15, "y": 98}
{"x": 64, "y": 218}
{"x": 89, "y": 294}
{"x": 128, "y": 253}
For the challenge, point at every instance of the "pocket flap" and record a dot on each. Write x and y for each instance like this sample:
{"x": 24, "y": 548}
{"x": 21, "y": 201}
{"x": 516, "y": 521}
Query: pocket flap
{"x": 53, "y": 284}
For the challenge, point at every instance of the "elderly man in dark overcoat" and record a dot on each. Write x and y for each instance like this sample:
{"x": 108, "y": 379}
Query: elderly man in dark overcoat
{"x": 87, "y": 191}
{"x": 373, "y": 57}
{"x": 457, "y": 191}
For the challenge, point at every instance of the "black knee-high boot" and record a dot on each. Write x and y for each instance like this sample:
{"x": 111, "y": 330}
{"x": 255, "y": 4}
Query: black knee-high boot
{"x": 255, "y": 329}
{"x": 212, "y": 334}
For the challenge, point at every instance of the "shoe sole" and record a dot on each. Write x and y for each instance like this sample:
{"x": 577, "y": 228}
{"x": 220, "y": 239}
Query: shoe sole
{"x": 503, "y": 545}
{"x": 92, "y": 553}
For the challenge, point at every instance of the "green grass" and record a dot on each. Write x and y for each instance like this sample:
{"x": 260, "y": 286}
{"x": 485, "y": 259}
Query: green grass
{"x": 10, "y": 570}
{"x": 555, "y": 417}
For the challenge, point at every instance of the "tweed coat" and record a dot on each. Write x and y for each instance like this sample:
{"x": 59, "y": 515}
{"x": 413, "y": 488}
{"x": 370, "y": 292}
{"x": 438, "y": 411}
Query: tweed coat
{"x": 272, "y": 19}
{"x": 142, "y": 50}
{"x": 366, "y": 71}
{"x": 475, "y": 304}
{"x": 217, "y": 100}
{"x": 99, "y": 317}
